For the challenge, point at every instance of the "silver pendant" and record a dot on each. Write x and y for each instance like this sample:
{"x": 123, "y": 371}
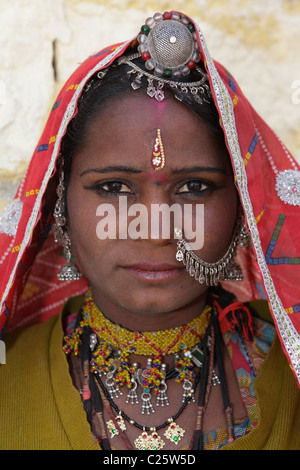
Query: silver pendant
{"x": 162, "y": 398}
{"x": 188, "y": 390}
{"x": 147, "y": 406}
{"x": 215, "y": 379}
{"x": 179, "y": 255}
{"x": 114, "y": 392}
{"x": 132, "y": 395}
{"x": 156, "y": 93}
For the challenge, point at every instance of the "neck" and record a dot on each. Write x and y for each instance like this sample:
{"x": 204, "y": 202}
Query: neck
{"x": 150, "y": 319}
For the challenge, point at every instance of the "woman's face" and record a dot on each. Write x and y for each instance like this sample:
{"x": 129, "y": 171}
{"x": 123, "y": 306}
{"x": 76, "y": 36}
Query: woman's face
{"x": 137, "y": 282}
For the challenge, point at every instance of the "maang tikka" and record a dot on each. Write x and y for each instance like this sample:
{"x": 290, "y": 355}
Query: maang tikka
{"x": 158, "y": 158}
{"x": 69, "y": 271}
{"x": 225, "y": 269}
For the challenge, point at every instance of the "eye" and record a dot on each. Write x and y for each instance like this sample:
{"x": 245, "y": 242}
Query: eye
{"x": 110, "y": 188}
{"x": 194, "y": 187}
{"x": 114, "y": 187}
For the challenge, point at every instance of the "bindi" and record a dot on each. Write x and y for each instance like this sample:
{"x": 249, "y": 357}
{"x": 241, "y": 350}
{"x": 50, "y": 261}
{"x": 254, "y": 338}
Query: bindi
{"x": 157, "y": 179}
{"x": 158, "y": 159}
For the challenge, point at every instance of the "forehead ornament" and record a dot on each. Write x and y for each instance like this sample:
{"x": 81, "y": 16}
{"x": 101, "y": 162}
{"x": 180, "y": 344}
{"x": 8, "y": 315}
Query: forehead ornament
{"x": 158, "y": 154}
{"x": 169, "y": 48}
{"x": 168, "y": 45}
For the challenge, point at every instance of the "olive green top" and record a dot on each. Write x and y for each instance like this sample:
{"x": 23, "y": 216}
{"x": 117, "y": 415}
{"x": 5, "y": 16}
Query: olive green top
{"x": 40, "y": 409}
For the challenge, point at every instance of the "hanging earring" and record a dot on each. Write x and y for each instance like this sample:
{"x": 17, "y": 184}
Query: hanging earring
{"x": 226, "y": 269}
{"x": 242, "y": 236}
{"x": 69, "y": 271}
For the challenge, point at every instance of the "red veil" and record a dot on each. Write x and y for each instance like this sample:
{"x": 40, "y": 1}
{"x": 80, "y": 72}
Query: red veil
{"x": 30, "y": 259}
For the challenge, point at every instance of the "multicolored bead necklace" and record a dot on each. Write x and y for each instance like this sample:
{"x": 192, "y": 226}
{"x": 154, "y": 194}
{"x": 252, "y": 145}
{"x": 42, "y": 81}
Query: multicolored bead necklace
{"x": 110, "y": 347}
{"x": 146, "y": 344}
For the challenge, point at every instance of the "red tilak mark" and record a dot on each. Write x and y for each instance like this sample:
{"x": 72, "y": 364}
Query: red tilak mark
{"x": 156, "y": 178}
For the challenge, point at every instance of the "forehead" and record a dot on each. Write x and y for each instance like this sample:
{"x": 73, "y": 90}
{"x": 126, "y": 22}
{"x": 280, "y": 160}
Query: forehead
{"x": 126, "y": 128}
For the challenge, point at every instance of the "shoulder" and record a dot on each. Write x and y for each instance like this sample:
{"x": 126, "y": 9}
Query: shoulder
{"x": 28, "y": 341}
{"x": 34, "y": 340}
{"x": 27, "y": 357}
{"x": 35, "y": 389}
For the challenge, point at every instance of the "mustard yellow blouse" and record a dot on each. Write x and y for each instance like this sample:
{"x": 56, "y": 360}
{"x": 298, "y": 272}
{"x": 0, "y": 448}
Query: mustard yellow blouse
{"x": 40, "y": 409}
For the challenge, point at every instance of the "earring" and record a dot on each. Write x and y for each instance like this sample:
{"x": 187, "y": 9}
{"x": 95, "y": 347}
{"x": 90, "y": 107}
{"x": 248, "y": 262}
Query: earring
{"x": 226, "y": 269}
{"x": 69, "y": 271}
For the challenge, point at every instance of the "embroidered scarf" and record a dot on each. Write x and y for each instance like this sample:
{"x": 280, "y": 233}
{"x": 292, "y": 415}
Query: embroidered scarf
{"x": 30, "y": 260}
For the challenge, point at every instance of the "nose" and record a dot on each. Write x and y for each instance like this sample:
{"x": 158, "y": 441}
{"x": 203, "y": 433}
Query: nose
{"x": 157, "y": 216}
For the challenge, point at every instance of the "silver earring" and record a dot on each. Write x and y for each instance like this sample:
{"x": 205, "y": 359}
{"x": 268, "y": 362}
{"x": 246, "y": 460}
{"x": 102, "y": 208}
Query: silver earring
{"x": 69, "y": 271}
{"x": 226, "y": 269}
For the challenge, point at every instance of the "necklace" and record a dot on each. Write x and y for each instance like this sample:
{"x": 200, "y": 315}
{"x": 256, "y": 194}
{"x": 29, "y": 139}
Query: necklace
{"x": 111, "y": 346}
{"x": 104, "y": 349}
{"x": 150, "y": 343}
{"x": 149, "y": 439}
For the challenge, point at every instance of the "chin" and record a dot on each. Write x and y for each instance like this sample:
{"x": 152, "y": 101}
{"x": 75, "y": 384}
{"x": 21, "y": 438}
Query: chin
{"x": 157, "y": 303}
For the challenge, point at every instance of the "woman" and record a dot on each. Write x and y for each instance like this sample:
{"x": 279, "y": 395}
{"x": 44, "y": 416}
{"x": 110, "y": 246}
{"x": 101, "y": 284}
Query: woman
{"x": 163, "y": 342}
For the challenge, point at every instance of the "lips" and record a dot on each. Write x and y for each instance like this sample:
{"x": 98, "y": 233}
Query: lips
{"x": 154, "y": 272}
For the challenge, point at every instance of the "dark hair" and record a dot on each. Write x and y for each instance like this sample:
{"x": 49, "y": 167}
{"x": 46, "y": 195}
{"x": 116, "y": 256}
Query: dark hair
{"x": 117, "y": 82}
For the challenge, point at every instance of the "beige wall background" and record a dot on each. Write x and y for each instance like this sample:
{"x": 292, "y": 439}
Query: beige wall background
{"x": 42, "y": 42}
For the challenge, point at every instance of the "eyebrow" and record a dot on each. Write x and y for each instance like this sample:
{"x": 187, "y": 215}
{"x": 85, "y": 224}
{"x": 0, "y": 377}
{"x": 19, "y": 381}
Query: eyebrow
{"x": 126, "y": 169}
{"x": 111, "y": 169}
{"x": 194, "y": 169}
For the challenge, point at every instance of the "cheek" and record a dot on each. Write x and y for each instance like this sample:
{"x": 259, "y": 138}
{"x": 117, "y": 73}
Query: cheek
{"x": 219, "y": 224}
{"x": 96, "y": 257}
{"x": 82, "y": 227}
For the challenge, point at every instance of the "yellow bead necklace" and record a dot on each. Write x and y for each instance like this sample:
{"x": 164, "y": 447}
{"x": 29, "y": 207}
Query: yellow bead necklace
{"x": 110, "y": 347}
{"x": 113, "y": 344}
{"x": 150, "y": 343}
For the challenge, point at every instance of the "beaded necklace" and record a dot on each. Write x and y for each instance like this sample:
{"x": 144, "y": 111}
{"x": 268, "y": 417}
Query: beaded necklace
{"x": 104, "y": 349}
{"x": 111, "y": 346}
{"x": 151, "y": 343}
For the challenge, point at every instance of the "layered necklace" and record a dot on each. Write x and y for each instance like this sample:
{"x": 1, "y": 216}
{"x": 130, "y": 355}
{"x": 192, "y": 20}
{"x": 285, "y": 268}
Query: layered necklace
{"x": 105, "y": 350}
